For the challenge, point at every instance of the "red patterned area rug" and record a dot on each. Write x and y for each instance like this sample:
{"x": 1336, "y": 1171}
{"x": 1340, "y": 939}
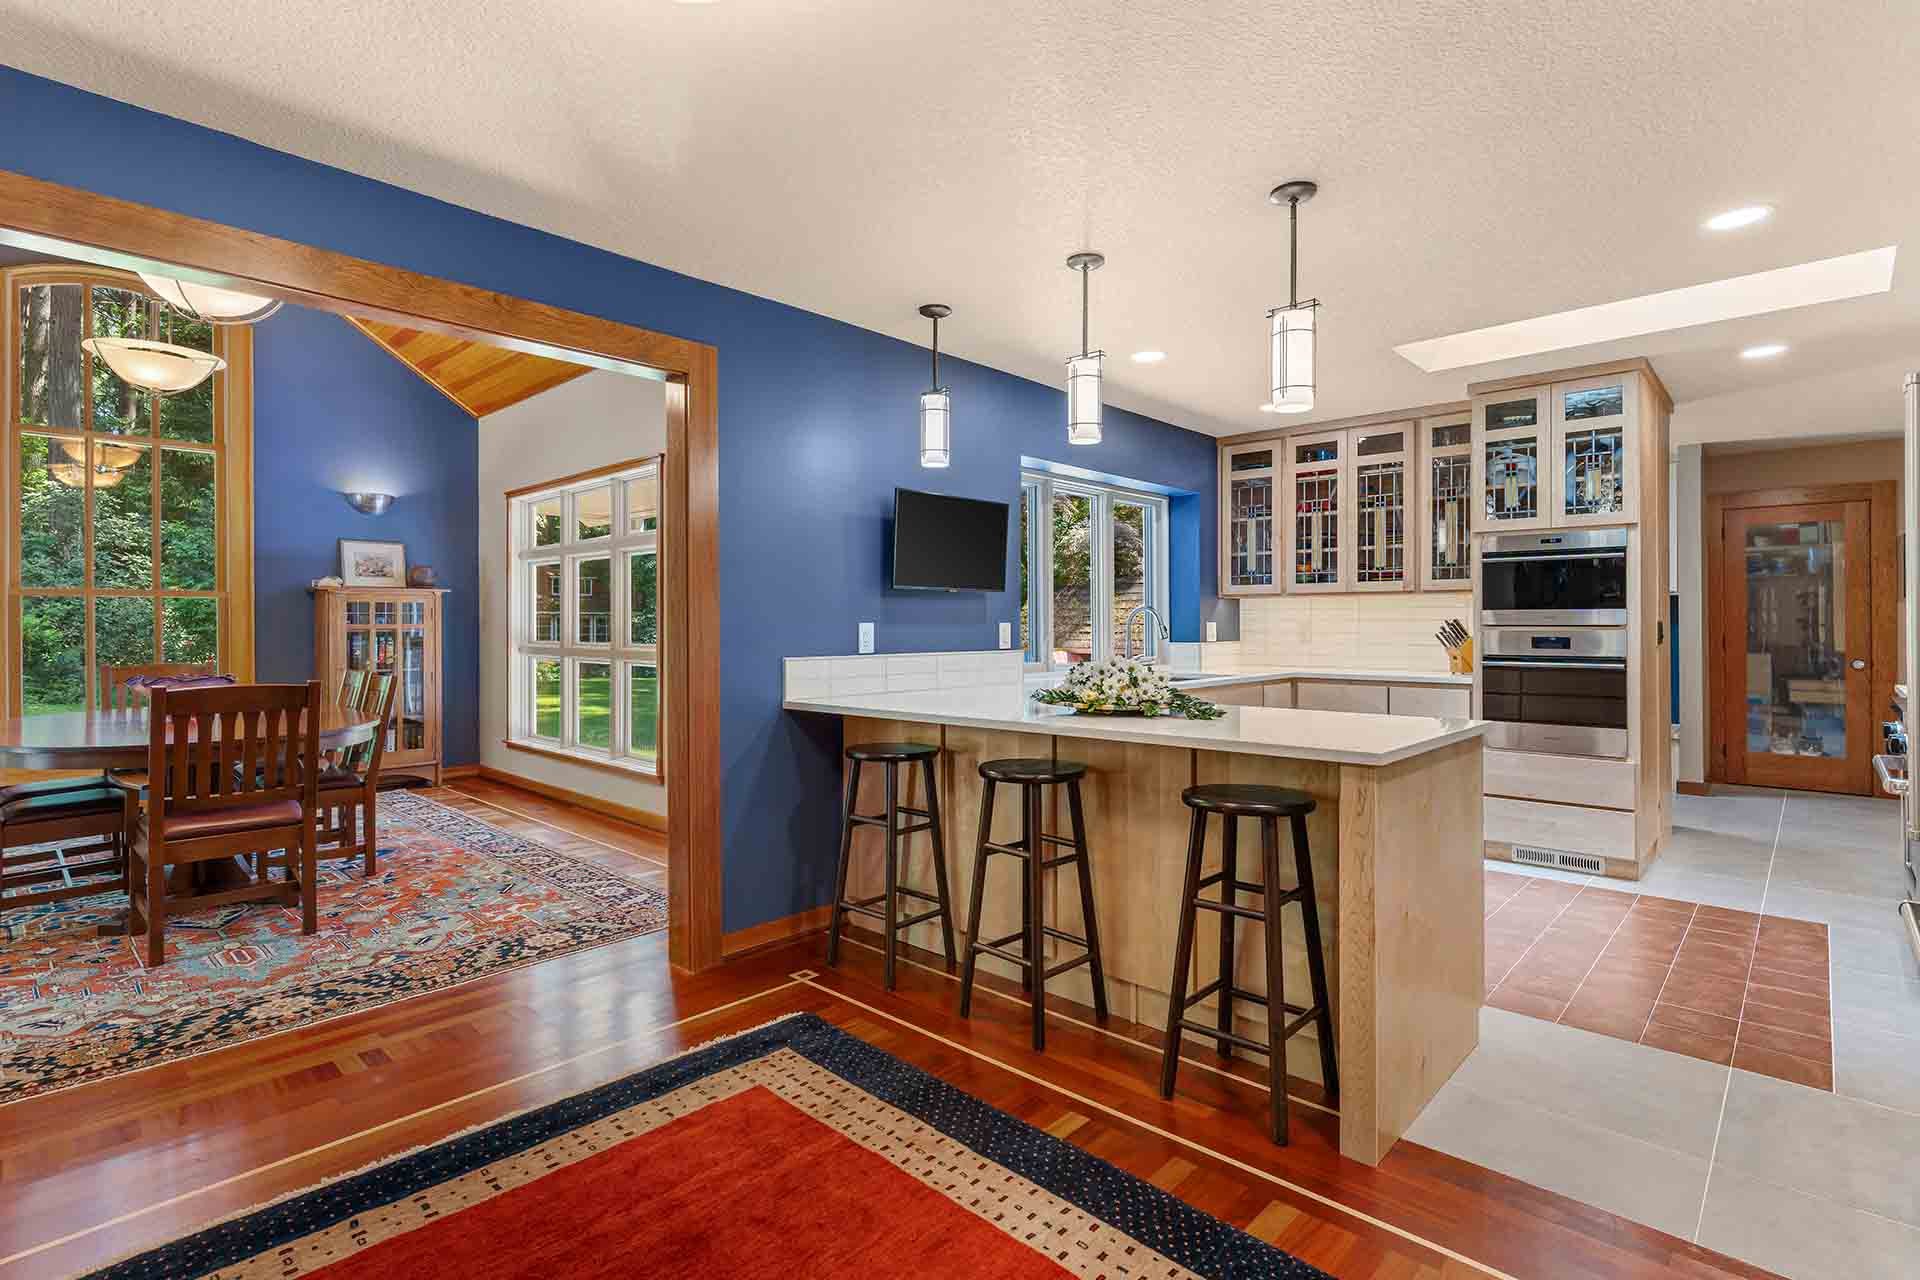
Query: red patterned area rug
{"x": 454, "y": 899}
{"x": 795, "y": 1150}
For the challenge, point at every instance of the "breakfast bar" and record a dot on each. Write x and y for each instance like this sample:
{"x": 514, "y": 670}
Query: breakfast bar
{"x": 1397, "y": 858}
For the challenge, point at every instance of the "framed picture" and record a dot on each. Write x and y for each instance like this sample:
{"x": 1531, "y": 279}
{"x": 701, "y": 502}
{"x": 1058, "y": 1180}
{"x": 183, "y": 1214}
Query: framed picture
{"x": 373, "y": 564}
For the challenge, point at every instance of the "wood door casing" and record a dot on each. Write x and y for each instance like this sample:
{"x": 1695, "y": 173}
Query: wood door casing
{"x": 1853, "y": 575}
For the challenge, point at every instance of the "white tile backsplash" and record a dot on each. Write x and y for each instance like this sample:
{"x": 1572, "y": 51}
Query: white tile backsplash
{"x": 1385, "y": 631}
{"x": 835, "y": 677}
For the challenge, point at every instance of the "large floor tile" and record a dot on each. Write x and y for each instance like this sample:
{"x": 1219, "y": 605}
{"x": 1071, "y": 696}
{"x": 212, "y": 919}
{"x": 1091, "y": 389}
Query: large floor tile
{"x": 1742, "y": 893}
{"x": 1801, "y": 902}
{"x": 1538, "y": 873}
{"x": 1882, "y": 948}
{"x": 1871, "y": 872}
{"x": 1655, "y": 1096}
{"x": 1823, "y": 1144}
{"x": 1754, "y": 814}
{"x": 1876, "y": 1002}
{"x": 1654, "y": 1185}
{"x": 1717, "y": 853}
{"x": 1804, "y": 1236}
{"x": 1876, "y": 1066}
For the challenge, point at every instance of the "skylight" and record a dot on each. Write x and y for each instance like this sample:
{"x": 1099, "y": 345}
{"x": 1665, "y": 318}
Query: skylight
{"x": 1852, "y": 275}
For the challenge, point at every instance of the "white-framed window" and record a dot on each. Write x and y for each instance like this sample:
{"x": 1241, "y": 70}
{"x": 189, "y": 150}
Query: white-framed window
{"x": 585, "y": 598}
{"x": 1089, "y": 555}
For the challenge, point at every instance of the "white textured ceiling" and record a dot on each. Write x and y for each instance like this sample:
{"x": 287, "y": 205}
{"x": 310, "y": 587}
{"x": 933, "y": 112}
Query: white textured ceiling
{"x": 1479, "y": 162}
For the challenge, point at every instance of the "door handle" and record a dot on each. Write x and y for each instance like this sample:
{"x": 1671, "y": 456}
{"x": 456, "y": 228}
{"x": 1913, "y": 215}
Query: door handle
{"x": 1858, "y": 664}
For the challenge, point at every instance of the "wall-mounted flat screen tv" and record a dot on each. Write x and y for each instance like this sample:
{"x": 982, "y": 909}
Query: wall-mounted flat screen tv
{"x": 948, "y": 544}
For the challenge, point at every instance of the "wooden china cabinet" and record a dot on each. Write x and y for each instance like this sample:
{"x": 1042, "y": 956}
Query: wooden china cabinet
{"x": 393, "y": 629}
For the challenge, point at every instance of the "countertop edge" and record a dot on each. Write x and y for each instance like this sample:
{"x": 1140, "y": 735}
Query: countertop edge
{"x": 1072, "y": 726}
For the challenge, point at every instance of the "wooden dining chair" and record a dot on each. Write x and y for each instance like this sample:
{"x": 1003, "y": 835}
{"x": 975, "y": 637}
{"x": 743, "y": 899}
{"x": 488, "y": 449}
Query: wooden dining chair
{"x": 84, "y": 810}
{"x": 352, "y": 681}
{"x": 349, "y": 788}
{"x": 242, "y": 778}
{"x": 117, "y": 693}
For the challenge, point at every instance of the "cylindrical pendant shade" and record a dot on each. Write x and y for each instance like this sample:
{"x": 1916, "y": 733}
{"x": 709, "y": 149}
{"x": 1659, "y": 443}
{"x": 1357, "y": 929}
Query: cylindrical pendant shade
{"x": 1293, "y": 352}
{"x": 936, "y": 428}
{"x": 1083, "y": 398}
{"x": 158, "y": 366}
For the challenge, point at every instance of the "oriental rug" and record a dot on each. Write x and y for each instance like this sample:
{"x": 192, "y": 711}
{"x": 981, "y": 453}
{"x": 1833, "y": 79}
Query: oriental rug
{"x": 793, "y": 1150}
{"x": 453, "y": 899}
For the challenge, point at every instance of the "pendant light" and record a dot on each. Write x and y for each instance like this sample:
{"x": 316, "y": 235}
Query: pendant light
{"x": 162, "y": 367}
{"x": 210, "y": 303}
{"x": 936, "y": 407}
{"x": 1083, "y": 370}
{"x": 1291, "y": 328}
{"x": 68, "y": 463}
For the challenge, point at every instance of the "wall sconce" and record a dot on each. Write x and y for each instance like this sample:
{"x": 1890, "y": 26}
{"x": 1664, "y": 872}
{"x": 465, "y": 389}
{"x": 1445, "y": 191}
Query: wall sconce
{"x": 370, "y": 504}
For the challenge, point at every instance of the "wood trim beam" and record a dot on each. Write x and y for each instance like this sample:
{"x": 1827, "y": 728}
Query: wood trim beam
{"x": 123, "y": 234}
{"x": 581, "y": 477}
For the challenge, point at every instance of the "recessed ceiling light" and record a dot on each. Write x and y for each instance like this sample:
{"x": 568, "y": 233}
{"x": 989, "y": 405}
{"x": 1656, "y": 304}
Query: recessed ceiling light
{"x": 1271, "y": 407}
{"x": 1734, "y": 219}
{"x": 1765, "y": 351}
{"x": 1854, "y": 275}
{"x": 1149, "y": 357}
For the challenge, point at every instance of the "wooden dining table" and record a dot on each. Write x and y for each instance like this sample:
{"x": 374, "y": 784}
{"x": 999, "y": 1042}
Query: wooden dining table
{"x": 119, "y": 738}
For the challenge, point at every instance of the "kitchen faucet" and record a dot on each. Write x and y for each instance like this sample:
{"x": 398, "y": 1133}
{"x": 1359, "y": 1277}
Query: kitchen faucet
{"x": 1126, "y": 628}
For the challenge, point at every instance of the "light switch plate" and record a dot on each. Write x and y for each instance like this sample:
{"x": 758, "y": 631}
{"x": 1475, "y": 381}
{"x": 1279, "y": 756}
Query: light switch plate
{"x": 1006, "y": 635}
{"x": 1213, "y": 631}
{"x": 866, "y": 637}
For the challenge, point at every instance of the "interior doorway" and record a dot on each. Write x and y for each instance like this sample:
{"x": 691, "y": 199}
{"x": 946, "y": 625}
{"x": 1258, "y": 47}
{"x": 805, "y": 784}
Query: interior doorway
{"x": 1801, "y": 638}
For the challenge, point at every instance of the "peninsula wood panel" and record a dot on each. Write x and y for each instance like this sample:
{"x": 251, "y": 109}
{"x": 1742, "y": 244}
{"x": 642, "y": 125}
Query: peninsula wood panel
{"x": 1411, "y": 982}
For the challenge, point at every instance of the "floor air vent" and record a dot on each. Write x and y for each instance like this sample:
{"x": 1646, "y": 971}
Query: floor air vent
{"x": 1533, "y": 855}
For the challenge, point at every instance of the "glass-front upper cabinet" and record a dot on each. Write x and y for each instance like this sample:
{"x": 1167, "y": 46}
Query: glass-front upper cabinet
{"x": 1594, "y": 450}
{"x": 1320, "y": 530}
{"x": 1512, "y": 443}
{"x": 1382, "y": 471}
{"x": 1444, "y": 504}
{"x": 1250, "y": 478}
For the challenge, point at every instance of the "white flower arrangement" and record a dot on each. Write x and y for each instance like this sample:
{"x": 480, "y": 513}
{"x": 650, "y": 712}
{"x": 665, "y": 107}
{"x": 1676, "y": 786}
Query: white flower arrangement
{"x": 1124, "y": 686}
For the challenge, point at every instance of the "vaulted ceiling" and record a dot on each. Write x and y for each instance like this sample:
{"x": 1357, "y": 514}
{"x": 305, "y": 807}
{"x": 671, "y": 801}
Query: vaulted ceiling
{"x": 477, "y": 376}
{"x": 1480, "y": 161}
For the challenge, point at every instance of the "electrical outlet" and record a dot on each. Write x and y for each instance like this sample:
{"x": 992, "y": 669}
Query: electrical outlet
{"x": 1006, "y": 635}
{"x": 1213, "y": 631}
{"x": 866, "y": 637}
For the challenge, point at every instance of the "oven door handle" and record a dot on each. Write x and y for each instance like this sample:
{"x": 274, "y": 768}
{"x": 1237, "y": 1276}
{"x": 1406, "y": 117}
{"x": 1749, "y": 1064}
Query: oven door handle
{"x": 1511, "y": 557}
{"x": 1535, "y": 664}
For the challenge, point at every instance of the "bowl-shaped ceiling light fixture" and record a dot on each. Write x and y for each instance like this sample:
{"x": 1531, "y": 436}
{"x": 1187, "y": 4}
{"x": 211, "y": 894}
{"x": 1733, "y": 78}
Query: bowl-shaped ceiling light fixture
{"x": 1083, "y": 370}
{"x": 936, "y": 406}
{"x": 68, "y": 463}
{"x": 1291, "y": 328}
{"x": 163, "y": 367}
{"x": 209, "y": 302}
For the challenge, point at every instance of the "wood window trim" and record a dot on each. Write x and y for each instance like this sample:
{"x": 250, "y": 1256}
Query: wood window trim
{"x": 690, "y": 574}
{"x": 1882, "y": 497}
{"x": 631, "y": 772}
{"x": 231, "y": 446}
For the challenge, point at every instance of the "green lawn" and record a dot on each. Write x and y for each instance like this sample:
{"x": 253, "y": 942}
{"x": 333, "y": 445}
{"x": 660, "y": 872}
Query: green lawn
{"x": 596, "y": 712}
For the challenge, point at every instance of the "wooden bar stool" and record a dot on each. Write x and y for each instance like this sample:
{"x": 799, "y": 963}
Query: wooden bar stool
{"x": 1033, "y": 776}
{"x": 1268, "y": 804}
{"x": 885, "y": 906}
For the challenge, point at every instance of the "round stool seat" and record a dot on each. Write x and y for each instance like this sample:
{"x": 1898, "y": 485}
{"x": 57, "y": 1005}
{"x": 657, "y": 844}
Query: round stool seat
{"x": 1032, "y": 769}
{"x": 891, "y": 752}
{"x": 1248, "y": 800}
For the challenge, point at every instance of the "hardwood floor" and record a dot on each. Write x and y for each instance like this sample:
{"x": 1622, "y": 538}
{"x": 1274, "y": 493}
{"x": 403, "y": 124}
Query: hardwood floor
{"x": 98, "y": 1171}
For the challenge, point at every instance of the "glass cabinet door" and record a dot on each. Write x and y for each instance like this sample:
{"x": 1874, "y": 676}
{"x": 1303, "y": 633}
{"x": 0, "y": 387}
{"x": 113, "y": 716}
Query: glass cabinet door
{"x": 1446, "y": 546}
{"x": 1316, "y": 481}
{"x": 1249, "y": 519}
{"x": 1510, "y": 433}
{"x": 1592, "y": 424}
{"x": 1380, "y": 476}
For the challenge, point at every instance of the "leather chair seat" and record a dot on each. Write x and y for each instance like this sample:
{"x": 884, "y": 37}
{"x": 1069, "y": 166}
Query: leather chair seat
{"x": 240, "y": 817}
{"x": 44, "y": 801}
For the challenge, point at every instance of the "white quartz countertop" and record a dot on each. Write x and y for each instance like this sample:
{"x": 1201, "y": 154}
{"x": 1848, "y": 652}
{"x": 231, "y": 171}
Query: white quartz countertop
{"x": 1223, "y": 676}
{"x": 1338, "y": 736}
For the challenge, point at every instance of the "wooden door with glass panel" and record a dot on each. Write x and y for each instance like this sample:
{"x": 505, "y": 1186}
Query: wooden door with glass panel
{"x": 1795, "y": 669}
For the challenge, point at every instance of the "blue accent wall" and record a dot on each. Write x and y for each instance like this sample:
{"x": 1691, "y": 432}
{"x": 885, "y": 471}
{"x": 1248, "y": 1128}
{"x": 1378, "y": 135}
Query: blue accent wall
{"x": 333, "y": 413}
{"x": 816, "y": 429}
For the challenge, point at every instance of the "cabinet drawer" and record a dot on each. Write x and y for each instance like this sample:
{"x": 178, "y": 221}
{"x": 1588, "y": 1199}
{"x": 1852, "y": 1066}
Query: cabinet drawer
{"x": 1532, "y": 775}
{"x": 1280, "y": 693}
{"x": 1574, "y": 828}
{"x": 1316, "y": 695}
{"x": 1234, "y": 695}
{"x": 1430, "y": 700}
